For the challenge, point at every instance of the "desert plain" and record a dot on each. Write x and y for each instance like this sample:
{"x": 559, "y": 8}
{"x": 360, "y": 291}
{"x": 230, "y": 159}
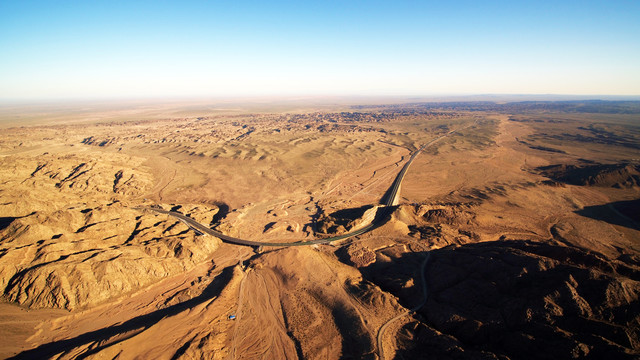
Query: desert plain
{"x": 515, "y": 235}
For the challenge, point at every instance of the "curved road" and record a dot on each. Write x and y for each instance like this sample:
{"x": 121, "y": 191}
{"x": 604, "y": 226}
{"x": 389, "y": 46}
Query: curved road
{"x": 380, "y": 218}
{"x": 408, "y": 312}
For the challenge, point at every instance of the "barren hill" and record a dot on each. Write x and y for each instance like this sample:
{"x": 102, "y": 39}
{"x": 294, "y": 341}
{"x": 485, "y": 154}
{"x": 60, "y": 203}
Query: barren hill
{"x": 523, "y": 217}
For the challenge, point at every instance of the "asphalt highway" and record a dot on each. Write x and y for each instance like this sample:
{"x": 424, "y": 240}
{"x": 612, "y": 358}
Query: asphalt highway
{"x": 381, "y": 216}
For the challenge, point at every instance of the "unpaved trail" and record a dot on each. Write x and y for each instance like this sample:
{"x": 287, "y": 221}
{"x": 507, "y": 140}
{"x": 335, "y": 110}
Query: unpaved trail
{"x": 259, "y": 303}
{"x": 377, "y": 179}
{"x": 180, "y": 310}
{"x": 167, "y": 184}
{"x": 411, "y": 311}
{"x": 238, "y": 314}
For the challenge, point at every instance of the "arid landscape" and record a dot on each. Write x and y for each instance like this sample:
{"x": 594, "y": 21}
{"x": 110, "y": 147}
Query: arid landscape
{"x": 513, "y": 234}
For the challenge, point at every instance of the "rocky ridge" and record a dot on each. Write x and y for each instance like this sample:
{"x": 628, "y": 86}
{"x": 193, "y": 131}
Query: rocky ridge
{"x": 620, "y": 175}
{"x": 527, "y": 300}
{"x": 70, "y": 237}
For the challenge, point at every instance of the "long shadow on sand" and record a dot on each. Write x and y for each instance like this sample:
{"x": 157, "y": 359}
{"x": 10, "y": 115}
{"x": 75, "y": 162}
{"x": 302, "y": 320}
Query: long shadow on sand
{"x": 5, "y": 222}
{"x": 126, "y": 329}
{"x": 611, "y": 213}
{"x": 515, "y": 299}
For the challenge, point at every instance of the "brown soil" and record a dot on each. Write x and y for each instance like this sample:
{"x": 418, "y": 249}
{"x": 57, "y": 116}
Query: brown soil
{"x": 532, "y": 228}
{"x": 622, "y": 175}
{"x": 526, "y": 300}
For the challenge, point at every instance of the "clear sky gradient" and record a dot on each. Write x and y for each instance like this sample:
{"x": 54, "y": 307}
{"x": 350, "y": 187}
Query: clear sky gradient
{"x": 94, "y": 49}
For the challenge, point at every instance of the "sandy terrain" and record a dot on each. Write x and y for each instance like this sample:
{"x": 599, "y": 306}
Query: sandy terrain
{"x": 529, "y": 216}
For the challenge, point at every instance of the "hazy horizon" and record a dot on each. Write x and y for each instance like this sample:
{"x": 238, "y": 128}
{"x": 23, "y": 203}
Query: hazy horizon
{"x": 242, "y": 100}
{"x": 194, "y": 49}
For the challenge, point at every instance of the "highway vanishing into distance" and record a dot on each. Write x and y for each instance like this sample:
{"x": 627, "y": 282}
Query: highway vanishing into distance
{"x": 384, "y": 211}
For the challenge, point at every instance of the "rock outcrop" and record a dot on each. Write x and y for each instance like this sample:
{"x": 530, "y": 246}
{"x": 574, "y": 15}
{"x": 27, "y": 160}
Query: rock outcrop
{"x": 77, "y": 257}
{"x": 621, "y": 175}
{"x": 71, "y": 238}
{"x": 527, "y": 300}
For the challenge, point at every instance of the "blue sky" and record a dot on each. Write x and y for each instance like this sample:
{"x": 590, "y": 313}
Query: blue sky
{"x": 77, "y": 49}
